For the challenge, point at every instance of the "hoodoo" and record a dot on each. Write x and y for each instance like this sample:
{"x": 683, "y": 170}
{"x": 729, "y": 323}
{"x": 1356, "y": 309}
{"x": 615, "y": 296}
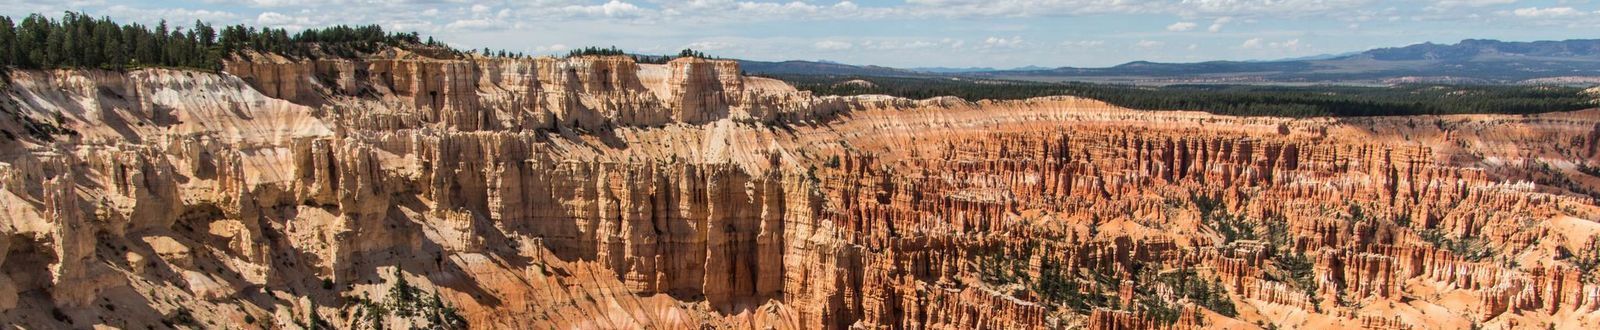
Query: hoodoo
{"x": 400, "y": 188}
{"x": 599, "y": 192}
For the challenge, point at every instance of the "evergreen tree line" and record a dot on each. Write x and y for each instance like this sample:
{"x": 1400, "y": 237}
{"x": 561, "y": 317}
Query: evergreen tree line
{"x": 339, "y": 40}
{"x": 692, "y": 53}
{"x": 77, "y": 40}
{"x": 596, "y": 51}
{"x": 651, "y": 59}
{"x": 80, "y": 41}
{"x": 503, "y": 53}
{"x": 1241, "y": 100}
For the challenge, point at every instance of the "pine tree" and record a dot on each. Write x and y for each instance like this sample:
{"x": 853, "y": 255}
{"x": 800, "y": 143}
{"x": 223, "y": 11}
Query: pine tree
{"x": 31, "y": 38}
{"x": 115, "y": 50}
{"x": 55, "y": 49}
{"x": 159, "y": 47}
{"x": 8, "y": 42}
{"x": 208, "y": 36}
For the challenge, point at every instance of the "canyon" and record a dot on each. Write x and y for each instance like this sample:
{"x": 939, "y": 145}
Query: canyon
{"x": 405, "y": 189}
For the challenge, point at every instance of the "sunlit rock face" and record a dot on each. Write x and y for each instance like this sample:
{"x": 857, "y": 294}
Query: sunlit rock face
{"x": 595, "y": 192}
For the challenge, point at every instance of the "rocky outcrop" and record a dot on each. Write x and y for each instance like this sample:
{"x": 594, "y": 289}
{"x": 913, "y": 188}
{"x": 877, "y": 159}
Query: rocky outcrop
{"x": 595, "y": 192}
{"x": 588, "y": 93}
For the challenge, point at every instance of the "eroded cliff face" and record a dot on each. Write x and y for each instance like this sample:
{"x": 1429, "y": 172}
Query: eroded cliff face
{"x": 595, "y": 192}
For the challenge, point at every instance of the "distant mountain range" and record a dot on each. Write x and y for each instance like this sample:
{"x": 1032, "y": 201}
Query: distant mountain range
{"x": 954, "y": 70}
{"x": 974, "y": 69}
{"x": 1471, "y": 61}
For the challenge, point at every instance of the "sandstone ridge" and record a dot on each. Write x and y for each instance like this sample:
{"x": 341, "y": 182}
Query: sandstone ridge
{"x": 589, "y": 92}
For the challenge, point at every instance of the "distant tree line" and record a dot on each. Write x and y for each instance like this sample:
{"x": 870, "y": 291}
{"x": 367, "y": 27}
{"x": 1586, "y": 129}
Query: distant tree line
{"x": 651, "y": 59}
{"x": 339, "y": 40}
{"x": 77, "y": 40}
{"x": 503, "y": 53}
{"x": 80, "y": 41}
{"x": 1307, "y": 101}
{"x": 596, "y": 51}
{"x": 1241, "y": 100}
{"x": 692, "y": 53}
{"x": 663, "y": 59}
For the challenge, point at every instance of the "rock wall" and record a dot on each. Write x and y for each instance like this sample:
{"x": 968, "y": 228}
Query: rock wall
{"x": 588, "y": 93}
{"x": 594, "y": 192}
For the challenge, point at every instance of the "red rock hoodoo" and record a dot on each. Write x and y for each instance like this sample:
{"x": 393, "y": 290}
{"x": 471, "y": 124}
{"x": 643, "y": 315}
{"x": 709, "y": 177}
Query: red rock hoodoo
{"x": 595, "y": 192}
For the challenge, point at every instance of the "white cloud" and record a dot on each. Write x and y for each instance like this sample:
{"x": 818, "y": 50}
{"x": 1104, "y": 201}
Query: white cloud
{"x": 273, "y": 3}
{"x": 1252, "y": 43}
{"x": 553, "y": 48}
{"x": 1536, "y": 12}
{"x": 475, "y": 24}
{"x": 1182, "y": 26}
{"x": 1216, "y": 25}
{"x": 1149, "y": 44}
{"x": 1470, "y": 3}
{"x": 739, "y": 11}
{"x": 1084, "y": 43}
{"x": 1258, "y": 43}
{"x": 710, "y": 45}
{"x": 1292, "y": 7}
{"x": 832, "y": 45}
{"x": 298, "y": 20}
{"x": 954, "y": 43}
{"x": 999, "y": 42}
{"x": 179, "y": 16}
{"x": 1034, "y": 8}
{"x": 613, "y": 9}
{"x": 273, "y": 19}
{"x": 617, "y": 8}
{"x": 904, "y": 44}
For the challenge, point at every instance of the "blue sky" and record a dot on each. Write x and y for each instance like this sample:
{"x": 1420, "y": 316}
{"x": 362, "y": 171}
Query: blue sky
{"x": 906, "y": 33}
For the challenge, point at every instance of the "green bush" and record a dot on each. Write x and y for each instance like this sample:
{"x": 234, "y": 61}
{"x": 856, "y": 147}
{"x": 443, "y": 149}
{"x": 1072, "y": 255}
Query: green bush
{"x": 1468, "y": 248}
{"x": 1587, "y": 260}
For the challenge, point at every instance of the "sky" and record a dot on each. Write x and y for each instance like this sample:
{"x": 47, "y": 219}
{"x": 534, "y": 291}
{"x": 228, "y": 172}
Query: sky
{"x": 903, "y": 33}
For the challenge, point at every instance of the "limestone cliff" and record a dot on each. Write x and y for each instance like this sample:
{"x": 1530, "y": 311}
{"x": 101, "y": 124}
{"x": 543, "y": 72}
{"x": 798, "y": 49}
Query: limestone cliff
{"x": 595, "y": 192}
